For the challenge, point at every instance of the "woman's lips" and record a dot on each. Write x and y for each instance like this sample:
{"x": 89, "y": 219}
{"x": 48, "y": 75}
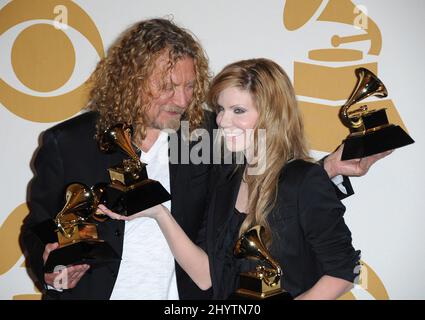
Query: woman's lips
{"x": 232, "y": 134}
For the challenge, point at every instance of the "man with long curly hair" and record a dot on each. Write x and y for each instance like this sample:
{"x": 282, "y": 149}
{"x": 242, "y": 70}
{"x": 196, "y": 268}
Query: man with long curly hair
{"x": 154, "y": 77}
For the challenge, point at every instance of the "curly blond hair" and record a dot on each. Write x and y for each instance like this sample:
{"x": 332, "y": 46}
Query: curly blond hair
{"x": 120, "y": 89}
{"x": 275, "y": 100}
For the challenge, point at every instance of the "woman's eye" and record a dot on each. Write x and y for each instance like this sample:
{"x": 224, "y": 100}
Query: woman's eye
{"x": 238, "y": 110}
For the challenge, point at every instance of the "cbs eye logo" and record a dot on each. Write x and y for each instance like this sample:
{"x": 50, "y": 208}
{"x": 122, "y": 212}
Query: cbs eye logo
{"x": 48, "y": 49}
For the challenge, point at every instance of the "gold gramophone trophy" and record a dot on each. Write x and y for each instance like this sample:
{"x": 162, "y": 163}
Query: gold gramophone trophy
{"x": 130, "y": 190}
{"x": 370, "y": 131}
{"x": 326, "y": 76}
{"x": 75, "y": 229}
{"x": 264, "y": 282}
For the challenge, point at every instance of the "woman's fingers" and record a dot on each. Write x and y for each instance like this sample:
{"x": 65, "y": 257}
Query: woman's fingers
{"x": 110, "y": 213}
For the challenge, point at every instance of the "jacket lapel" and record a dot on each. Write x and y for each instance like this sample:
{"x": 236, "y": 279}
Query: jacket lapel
{"x": 226, "y": 195}
{"x": 179, "y": 180}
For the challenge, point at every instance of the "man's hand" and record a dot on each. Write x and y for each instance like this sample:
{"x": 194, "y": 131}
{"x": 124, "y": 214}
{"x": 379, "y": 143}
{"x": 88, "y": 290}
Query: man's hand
{"x": 353, "y": 168}
{"x": 65, "y": 278}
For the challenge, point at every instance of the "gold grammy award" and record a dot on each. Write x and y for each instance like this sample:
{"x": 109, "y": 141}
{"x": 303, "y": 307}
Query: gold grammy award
{"x": 75, "y": 229}
{"x": 370, "y": 131}
{"x": 326, "y": 77}
{"x": 130, "y": 190}
{"x": 263, "y": 282}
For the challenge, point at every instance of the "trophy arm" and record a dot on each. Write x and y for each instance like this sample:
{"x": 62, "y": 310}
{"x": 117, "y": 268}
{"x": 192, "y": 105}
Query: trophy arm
{"x": 60, "y": 224}
{"x": 66, "y": 225}
{"x": 272, "y": 276}
{"x": 349, "y": 118}
{"x": 278, "y": 275}
{"x": 61, "y": 228}
{"x": 98, "y": 191}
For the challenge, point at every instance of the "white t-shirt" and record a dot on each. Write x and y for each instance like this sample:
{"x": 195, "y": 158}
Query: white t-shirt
{"x": 147, "y": 269}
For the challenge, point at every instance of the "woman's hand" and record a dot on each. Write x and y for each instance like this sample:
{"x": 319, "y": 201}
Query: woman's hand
{"x": 153, "y": 212}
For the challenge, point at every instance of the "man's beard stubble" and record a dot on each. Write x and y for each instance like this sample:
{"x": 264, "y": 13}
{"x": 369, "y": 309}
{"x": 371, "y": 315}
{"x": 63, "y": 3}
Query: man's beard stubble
{"x": 172, "y": 123}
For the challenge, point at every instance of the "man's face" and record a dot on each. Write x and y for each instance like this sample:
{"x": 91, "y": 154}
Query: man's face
{"x": 170, "y": 101}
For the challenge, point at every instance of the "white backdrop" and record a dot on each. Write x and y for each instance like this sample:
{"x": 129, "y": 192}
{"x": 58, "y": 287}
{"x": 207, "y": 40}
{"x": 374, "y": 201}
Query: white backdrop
{"x": 386, "y": 215}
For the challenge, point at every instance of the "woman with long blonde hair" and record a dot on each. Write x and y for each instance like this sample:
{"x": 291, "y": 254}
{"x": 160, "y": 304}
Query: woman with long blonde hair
{"x": 277, "y": 187}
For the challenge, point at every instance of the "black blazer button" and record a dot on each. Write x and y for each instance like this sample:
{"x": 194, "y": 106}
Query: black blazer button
{"x": 118, "y": 233}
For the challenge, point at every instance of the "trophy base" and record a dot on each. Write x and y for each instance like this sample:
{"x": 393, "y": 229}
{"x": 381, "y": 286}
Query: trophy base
{"x": 254, "y": 288}
{"x": 244, "y": 294}
{"x": 83, "y": 252}
{"x": 117, "y": 173}
{"x": 128, "y": 200}
{"x": 372, "y": 142}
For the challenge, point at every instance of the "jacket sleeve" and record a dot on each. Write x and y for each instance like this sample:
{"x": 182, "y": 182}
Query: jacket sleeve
{"x": 321, "y": 219}
{"x": 346, "y": 183}
{"x": 45, "y": 198}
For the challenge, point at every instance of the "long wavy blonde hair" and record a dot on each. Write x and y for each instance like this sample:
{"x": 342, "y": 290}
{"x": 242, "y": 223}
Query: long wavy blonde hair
{"x": 274, "y": 98}
{"x": 120, "y": 88}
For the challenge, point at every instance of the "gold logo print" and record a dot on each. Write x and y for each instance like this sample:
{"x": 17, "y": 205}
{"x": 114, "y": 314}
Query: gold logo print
{"x": 371, "y": 283}
{"x": 317, "y": 80}
{"x": 58, "y": 67}
{"x": 10, "y": 248}
{"x": 43, "y": 59}
{"x": 9, "y": 238}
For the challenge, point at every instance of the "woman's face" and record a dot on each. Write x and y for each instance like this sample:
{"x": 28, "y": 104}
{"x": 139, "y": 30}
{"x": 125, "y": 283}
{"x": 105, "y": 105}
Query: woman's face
{"x": 237, "y": 117}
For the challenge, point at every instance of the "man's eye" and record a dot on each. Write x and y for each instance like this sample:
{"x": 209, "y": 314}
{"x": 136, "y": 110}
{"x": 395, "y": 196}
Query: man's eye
{"x": 168, "y": 87}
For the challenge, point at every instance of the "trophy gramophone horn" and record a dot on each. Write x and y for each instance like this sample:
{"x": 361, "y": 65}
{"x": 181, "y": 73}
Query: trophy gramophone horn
{"x": 368, "y": 85}
{"x": 118, "y": 136}
{"x": 80, "y": 202}
{"x": 298, "y": 12}
{"x": 250, "y": 246}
